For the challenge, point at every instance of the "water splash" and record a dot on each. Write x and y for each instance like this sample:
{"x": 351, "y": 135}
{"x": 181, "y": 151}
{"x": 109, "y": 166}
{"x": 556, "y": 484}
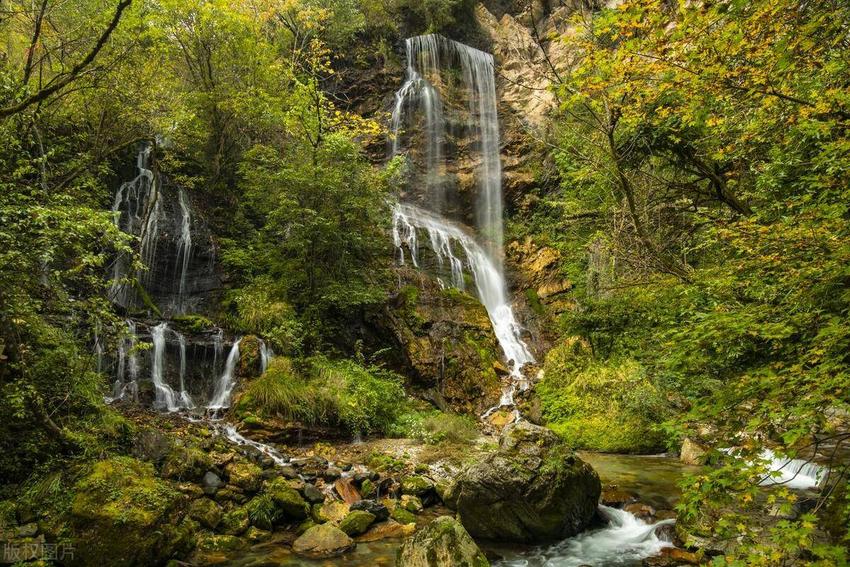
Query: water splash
{"x": 127, "y": 372}
{"x": 444, "y": 238}
{"x": 221, "y": 398}
{"x": 165, "y": 396}
{"x": 184, "y": 400}
{"x": 626, "y": 540}
{"x": 184, "y": 249}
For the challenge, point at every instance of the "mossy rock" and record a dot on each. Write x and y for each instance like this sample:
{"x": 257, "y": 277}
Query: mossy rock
{"x": 368, "y": 489}
{"x": 305, "y": 525}
{"x": 192, "y": 323}
{"x": 288, "y": 501}
{"x": 122, "y": 514}
{"x": 247, "y": 476}
{"x": 249, "y": 357}
{"x": 205, "y": 512}
{"x": 323, "y": 541}
{"x": 402, "y": 516}
{"x": 235, "y": 522}
{"x": 411, "y": 503}
{"x": 186, "y": 463}
{"x": 442, "y": 543}
{"x": 357, "y": 522}
{"x": 221, "y": 543}
{"x": 416, "y": 485}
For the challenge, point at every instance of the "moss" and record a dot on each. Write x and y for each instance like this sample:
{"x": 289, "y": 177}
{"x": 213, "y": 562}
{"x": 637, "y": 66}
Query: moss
{"x": 220, "y": 543}
{"x": 235, "y": 522}
{"x": 612, "y": 407}
{"x": 416, "y": 485}
{"x": 122, "y": 514}
{"x": 186, "y": 463}
{"x": 402, "y": 516}
{"x": 356, "y": 522}
{"x": 192, "y": 323}
{"x": 246, "y": 476}
{"x": 206, "y": 512}
{"x": 287, "y": 500}
{"x": 534, "y": 301}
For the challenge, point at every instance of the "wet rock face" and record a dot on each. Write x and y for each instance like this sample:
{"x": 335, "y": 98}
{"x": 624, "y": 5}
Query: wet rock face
{"x": 442, "y": 543}
{"x": 532, "y": 489}
{"x": 446, "y": 343}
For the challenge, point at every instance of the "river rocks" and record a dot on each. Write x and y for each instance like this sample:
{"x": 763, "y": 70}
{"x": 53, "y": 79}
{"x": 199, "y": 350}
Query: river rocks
{"x": 416, "y": 485}
{"x": 532, "y": 489}
{"x": 205, "y": 512}
{"x": 333, "y": 511}
{"x": 411, "y": 503}
{"x": 377, "y": 509}
{"x": 287, "y": 500}
{"x": 323, "y": 541}
{"x": 246, "y": 476}
{"x": 312, "y": 494}
{"x": 220, "y": 543}
{"x": 442, "y": 543}
{"x": 186, "y": 463}
{"x": 402, "y": 516}
{"x": 692, "y": 453}
{"x": 356, "y": 522}
{"x": 346, "y": 490}
{"x": 385, "y": 530}
{"x": 121, "y": 514}
{"x": 235, "y": 522}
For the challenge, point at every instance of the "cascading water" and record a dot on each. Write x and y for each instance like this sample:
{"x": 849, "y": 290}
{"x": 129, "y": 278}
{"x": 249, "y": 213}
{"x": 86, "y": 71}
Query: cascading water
{"x": 221, "y": 398}
{"x": 183, "y": 397}
{"x": 127, "y": 374}
{"x": 427, "y": 57}
{"x": 165, "y": 397}
{"x": 793, "y": 473}
{"x": 184, "y": 249}
{"x": 627, "y": 540}
{"x": 136, "y": 210}
{"x": 266, "y": 355}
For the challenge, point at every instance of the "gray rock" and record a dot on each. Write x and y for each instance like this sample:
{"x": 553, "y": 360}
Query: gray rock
{"x": 380, "y": 511}
{"x": 442, "y": 543}
{"x": 312, "y": 494}
{"x": 532, "y": 489}
{"x": 322, "y": 541}
{"x": 211, "y": 483}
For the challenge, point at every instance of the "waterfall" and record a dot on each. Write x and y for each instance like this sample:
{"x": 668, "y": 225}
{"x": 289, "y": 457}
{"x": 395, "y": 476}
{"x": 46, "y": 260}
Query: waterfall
{"x": 266, "y": 355}
{"x": 184, "y": 249}
{"x": 793, "y": 473}
{"x": 183, "y": 398}
{"x": 218, "y": 348}
{"x": 165, "y": 397}
{"x": 127, "y": 373}
{"x": 428, "y": 57}
{"x": 221, "y": 398}
{"x": 136, "y": 210}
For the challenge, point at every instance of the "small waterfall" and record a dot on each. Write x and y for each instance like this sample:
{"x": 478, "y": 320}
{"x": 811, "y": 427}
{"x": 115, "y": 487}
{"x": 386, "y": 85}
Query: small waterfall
{"x": 165, "y": 397}
{"x": 221, "y": 398}
{"x": 793, "y": 473}
{"x": 266, "y": 355}
{"x": 626, "y": 540}
{"x": 127, "y": 372}
{"x": 235, "y": 437}
{"x": 218, "y": 348}
{"x": 183, "y": 398}
{"x": 136, "y": 210}
{"x": 184, "y": 249}
{"x": 428, "y": 57}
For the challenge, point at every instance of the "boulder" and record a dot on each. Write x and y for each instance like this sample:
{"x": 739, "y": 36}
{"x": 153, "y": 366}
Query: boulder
{"x": 287, "y": 500}
{"x": 323, "y": 541}
{"x": 692, "y": 453}
{"x": 357, "y": 522}
{"x": 205, "y": 512}
{"x": 442, "y": 543}
{"x": 377, "y": 509}
{"x": 333, "y": 511}
{"x": 235, "y": 522}
{"x": 416, "y": 485}
{"x": 211, "y": 483}
{"x": 386, "y": 530}
{"x": 402, "y": 516}
{"x": 246, "y": 476}
{"x": 532, "y": 489}
{"x": 410, "y": 503}
{"x": 312, "y": 494}
{"x": 122, "y": 514}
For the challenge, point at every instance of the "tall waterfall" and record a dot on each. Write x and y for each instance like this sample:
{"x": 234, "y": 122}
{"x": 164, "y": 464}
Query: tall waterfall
{"x": 165, "y": 396}
{"x": 183, "y": 397}
{"x": 429, "y": 58}
{"x": 221, "y": 398}
{"x": 184, "y": 249}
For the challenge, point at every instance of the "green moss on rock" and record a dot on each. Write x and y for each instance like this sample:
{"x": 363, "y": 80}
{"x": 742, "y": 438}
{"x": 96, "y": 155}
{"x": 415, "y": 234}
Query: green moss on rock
{"x": 287, "y": 500}
{"x": 357, "y": 522}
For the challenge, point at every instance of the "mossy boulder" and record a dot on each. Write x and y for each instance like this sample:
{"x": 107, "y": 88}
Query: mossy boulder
{"x": 357, "y": 522}
{"x": 287, "y": 500}
{"x": 206, "y": 512}
{"x": 235, "y": 522}
{"x": 611, "y": 407}
{"x": 122, "y": 514}
{"x": 247, "y": 476}
{"x": 323, "y": 541}
{"x": 411, "y": 503}
{"x": 532, "y": 489}
{"x": 220, "y": 543}
{"x": 186, "y": 463}
{"x": 249, "y": 357}
{"x": 402, "y": 516}
{"x": 442, "y": 543}
{"x": 416, "y": 485}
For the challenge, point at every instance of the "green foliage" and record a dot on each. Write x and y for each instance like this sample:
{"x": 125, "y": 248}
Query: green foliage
{"x": 611, "y": 407}
{"x": 331, "y": 393}
{"x": 260, "y": 310}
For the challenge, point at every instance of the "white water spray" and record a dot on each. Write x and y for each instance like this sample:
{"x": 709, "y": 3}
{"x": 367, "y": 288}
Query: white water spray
{"x": 266, "y": 356}
{"x": 183, "y": 398}
{"x": 165, "y": 397}
{"x": 184, "y": 249}
{"x": 221, "y": 398}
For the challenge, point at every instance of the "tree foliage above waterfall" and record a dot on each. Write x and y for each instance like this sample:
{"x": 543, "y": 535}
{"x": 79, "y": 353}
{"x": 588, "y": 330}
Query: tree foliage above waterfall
{"x": 704, "y": 158}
